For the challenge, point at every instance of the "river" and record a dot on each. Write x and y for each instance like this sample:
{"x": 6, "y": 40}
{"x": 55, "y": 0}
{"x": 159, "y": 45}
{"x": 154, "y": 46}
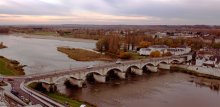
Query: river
{"x": 162, "y": 89}
{"x": 41, "y": 55}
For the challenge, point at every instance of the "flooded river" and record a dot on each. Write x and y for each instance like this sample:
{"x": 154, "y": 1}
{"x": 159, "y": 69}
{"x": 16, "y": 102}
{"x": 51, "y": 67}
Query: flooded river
{"x": 162, "y": 89}
{"x": 41, "y": 55}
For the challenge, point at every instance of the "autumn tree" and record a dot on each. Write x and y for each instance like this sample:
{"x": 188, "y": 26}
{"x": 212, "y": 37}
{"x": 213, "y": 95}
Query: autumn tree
{"x": 100, "y": 45}
{"x": 155, "y": 54}
{"x": 216, "y": 45}
{"x": 144, "y": 44}
{"x": 114, "y": 44}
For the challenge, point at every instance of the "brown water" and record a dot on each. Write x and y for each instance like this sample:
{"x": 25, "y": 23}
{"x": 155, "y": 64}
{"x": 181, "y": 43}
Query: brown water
{"x": 162, "y": 89}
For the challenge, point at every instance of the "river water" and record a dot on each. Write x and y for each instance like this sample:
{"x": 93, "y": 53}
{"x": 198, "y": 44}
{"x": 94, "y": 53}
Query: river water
{"x": 162, "y": 89}
{"x": 41, "y": 55}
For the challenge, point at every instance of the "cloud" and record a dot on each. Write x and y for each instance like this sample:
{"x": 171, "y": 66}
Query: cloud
{"x": 114, "y": 11}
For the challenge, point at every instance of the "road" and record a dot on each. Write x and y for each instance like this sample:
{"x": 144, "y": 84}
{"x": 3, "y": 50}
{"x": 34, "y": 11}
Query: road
{"x": 16, "y": 86}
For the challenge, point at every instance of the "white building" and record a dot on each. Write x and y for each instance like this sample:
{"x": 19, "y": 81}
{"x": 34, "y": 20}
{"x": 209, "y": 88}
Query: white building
{"x": 179, "y": 50}
{"x": 212, "y": 61}
{"x": 164, "y": 49}
{"x": 159, "y": 35}
{"x": 210, "y": 58}
{"x": 147, "y": 51}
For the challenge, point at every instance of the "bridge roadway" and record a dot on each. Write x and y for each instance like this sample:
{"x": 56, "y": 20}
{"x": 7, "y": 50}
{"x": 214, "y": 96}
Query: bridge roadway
{"x": 19, "y": 80}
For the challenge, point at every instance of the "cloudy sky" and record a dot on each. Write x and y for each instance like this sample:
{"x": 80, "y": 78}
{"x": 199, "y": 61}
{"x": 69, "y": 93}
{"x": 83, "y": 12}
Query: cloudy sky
{"x": 143, "y": 12}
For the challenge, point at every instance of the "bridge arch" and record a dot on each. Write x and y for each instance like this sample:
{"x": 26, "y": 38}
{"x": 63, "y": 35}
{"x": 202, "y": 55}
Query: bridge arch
{"x": 133, "y": 70}
{"x": 148, "y": 64}
{"x": 175, "y": 61}
{"x": 145, "y": 66}
{"x": 89, "y": 77}
{"x": 128, "y": 70}
{"x": 112, "y": 74}
{"x": 162, "y": 62}
{"x": 61, "y": 78}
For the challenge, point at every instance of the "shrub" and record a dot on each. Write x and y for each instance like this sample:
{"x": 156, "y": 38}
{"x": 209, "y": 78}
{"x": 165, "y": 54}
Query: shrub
{"x": 124, "y": 55}
{"x": 155, "y": 54}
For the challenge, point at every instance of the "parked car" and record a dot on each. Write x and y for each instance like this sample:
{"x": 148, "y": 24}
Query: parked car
{"x": 118, "y": 62}
{"x": 90, "y": 66}
{"x": 9, "y": 79}
{"x": 14, "y": 92}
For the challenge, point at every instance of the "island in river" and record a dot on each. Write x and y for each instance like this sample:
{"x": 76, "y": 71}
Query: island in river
{"x": 83, "y": 54}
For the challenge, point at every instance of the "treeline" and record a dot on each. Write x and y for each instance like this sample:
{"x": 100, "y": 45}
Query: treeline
{"x": 115, "y": 44}
{"x": 4, "y": 30}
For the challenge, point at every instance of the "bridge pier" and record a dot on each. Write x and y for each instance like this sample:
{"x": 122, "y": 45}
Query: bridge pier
{"x": 121, "y": 75}
{"x": 100, "y": 78}
{"x": 137, "y": 71}
{"x": 76, "y": 82}
{"x": 50, "y": 87}
{"x": 164, "y": 66}
{"x": 152, "y": 68}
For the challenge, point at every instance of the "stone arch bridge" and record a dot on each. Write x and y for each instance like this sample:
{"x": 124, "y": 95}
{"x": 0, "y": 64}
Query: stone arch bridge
{"x": 78, "y": 76}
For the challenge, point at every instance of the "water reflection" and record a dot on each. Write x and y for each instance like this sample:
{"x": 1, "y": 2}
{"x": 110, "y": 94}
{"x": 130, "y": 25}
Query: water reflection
{"x": 202, "y": 82}
{"x": 41, "y": 55}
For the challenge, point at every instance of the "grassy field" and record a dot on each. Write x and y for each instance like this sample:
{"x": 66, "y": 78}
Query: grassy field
{"x": 10, "y": 68}
{"x": 65, "y": 99}
{"x": 61, "y": 98}
{"x": 44, "y": 33}
{"x": 83, "y": 55}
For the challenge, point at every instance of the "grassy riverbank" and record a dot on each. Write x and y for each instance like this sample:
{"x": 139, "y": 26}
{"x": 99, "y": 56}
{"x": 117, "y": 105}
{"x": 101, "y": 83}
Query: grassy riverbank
{"x": 184, "y": 70}
{"x": 10, "y": 67}
{"x": 83, "y": 55}
{"x": 61, "y": 98}
{"x": 43, "y": 33}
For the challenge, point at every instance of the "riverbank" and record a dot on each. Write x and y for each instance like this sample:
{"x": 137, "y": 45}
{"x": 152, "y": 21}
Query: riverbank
{"x": 53, "y": 37}
{"x": 83, "y": 55}
{"x": 10, "y": 67}
{"x": 61, "y": 98}
{"x": 196, "y": 72}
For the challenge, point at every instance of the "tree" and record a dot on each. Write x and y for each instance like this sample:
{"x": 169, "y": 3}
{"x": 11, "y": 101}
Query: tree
{"x": 100, "y": 45}
{"x": 155, "y": 54}
{"x": 144, "y": 44}
{"x": 216, "y": 45}
{"x": 114, "y": 43}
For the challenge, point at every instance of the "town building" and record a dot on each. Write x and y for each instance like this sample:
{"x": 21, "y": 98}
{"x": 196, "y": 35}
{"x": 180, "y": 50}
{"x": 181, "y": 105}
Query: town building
{"x": 164, "y": 49}
{"x": 208, "y": 57}
{"x": 179, "y": 50}
{"x": 147, "y": 51}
